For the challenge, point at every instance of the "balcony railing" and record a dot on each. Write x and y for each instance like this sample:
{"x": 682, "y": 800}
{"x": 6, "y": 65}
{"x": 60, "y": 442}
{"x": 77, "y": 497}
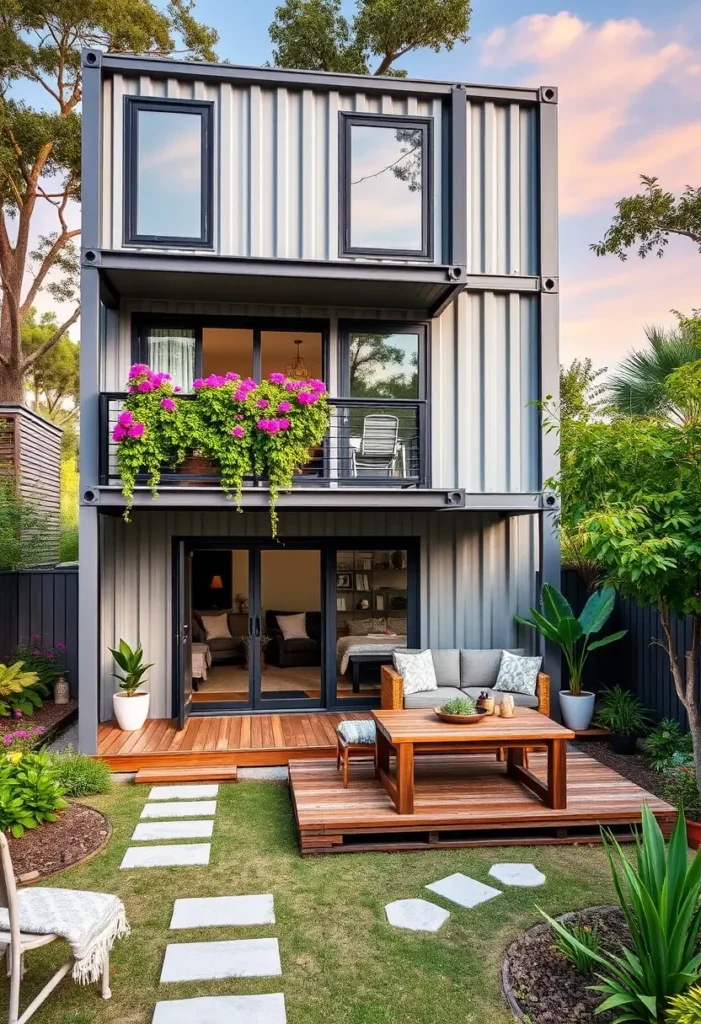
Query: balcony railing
{"x": 371, "y": 442}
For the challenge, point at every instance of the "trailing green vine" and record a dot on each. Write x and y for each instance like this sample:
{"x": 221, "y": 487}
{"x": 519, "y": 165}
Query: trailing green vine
{"x": 271, "y": 428}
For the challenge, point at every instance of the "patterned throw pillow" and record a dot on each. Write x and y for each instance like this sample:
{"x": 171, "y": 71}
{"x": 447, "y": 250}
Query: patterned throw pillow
{"x": 517, "y": 674}
{"x": 397, "y": 626}
{"x": 417, "y": 671}
{"x": 358, "y": 732}
{"x": 362, "y": 627}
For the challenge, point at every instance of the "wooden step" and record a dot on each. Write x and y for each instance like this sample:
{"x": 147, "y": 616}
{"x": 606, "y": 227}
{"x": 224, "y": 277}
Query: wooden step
{"x": 192, "y": 773}
{"x": 594, "y": 732}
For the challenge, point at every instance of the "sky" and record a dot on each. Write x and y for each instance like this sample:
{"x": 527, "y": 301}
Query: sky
{"x": 629, "y": 79}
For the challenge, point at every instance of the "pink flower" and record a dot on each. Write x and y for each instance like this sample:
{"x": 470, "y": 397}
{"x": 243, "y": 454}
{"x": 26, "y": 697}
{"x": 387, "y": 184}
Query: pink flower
{"x": 125, "y": 419}
{"x": 316, "y": 385}
{"x": 284, "y": 424}
{"x": 137, "y": 430}
{"x": 177, "y": 388}
{"x": 119, "y": 433}
{"x": 214, "y": 381}
{"x": 168, "y": 404}
{"x": 307, "y": 397}
{"x": 240, "y": 395}
{"x": 262, "y": 403}
{"x": 145, "y": 386}
{"x": 36, "y": 651}
{"x": 249, "y": 384}
{"x": 263, "y": 424}
{"x": 137, "y": 369}
{"x": 60, "y": 646}
{"x": 277, "y": 378}
{"x": 273, "y": 426}
{"x": 197, "y": 383}
{"x": 294, "y": 385}
{"x": 238, "y": 431}
{"x": 232, "y": 376}
{"x": 36, "y": 636}
{"x": 284, "y": 407}
{"x": 50, "y": 654}
{"x": 132, "y": 389}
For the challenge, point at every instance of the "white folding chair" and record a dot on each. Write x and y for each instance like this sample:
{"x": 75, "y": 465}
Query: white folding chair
{"x": 380, "y": 448}
{"x": 18, "y": 943}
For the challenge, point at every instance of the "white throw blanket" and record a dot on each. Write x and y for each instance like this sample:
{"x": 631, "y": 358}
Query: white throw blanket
{"x": 349, "y": 645}
{"x": 89, "y": 921}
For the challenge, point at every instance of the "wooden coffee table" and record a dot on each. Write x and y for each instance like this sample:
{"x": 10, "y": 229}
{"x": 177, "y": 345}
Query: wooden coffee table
{"x": 407, "y": 733}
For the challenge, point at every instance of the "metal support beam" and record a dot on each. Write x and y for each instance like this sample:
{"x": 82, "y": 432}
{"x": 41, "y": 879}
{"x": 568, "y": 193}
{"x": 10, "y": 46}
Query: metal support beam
{"x": 549, "y": 355}
{"x": 458, "y": 178}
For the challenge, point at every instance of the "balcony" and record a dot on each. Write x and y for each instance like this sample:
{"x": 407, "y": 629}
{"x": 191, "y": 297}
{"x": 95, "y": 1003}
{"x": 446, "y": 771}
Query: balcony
{"x": 371, "y": 443}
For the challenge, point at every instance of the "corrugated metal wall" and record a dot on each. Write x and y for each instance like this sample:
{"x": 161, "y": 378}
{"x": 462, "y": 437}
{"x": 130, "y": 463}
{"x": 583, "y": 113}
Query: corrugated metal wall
{"x": 477, "y": 570}
{"x": 484, "y": 374}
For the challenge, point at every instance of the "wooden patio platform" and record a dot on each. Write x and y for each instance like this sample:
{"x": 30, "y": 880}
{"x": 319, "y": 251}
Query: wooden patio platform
{"x": 242, "y": 740}
{"x": 462, "y": 800}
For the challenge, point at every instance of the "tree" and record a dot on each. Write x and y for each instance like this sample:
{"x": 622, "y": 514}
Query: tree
{"x": 40, "y": 44}
{"x": 631, "y": 492}
{"x": 648, "y": 219}
{"x": 581, "y": 390}
{"x": 314, "y": 34}
{"x": 638, "y": 386}
{"x": 55, "y": 376}
{"x": 370, "y": 352}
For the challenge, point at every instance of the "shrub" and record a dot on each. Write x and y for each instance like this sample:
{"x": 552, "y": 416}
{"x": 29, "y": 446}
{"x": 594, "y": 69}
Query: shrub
{"x": 44, "y": 659}
{"x": 586, "y": 936}
{"x": 659, "y": 897}
{"x": 21, "y": 739}
{"x": 29, "y": 792}
{"x": 621, "y": 712}
{"x": 665, "y": 741}
{"x": 680, "y": 787}
{"x": 685, "y": 1009}
{"x": 18, "y": 690}
{"x": 80, "y": 775}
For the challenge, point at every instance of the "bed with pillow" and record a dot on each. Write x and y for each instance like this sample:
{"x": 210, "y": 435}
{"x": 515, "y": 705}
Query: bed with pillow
{"x": 363, "y": 637}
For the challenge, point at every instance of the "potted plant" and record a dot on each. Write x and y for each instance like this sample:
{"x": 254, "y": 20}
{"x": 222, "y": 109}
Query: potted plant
{"x": 573, "y": 635}
{"x": 624, "y": 716}
{"x": 264, "y": 641}
{"x": 131, "y": 706}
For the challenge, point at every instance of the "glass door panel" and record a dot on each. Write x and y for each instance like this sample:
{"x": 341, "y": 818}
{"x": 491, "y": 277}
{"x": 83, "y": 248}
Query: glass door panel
{"x": 291, "y": 641}
{"x": 220, "y": 626}
{"x": 372, "y": 608}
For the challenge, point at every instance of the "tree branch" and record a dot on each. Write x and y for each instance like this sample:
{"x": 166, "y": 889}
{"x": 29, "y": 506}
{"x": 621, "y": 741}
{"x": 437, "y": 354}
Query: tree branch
{"x": 46, "y": 265}
{"x": 56, "y": 336}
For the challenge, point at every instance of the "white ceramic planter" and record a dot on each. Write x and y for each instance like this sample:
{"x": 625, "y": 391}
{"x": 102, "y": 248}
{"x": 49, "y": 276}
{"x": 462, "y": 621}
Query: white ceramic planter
{"x": 130, "y": 712}
{"x": 577, "y": 712}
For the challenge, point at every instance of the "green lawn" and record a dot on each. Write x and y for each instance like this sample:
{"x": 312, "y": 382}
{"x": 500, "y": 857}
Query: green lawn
{"x": 342, "y": 963}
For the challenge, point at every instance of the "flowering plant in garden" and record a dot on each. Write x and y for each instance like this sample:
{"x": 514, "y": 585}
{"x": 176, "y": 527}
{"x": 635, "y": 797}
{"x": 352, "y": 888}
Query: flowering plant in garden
{"x": 244, "y": 427}
{"x": 45, "y": 659}
{"x": 21, "y": 739}
{"x": 150, "y": 430}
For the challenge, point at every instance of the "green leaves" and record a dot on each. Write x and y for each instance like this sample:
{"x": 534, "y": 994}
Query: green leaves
{"x": 17, "y": 690}
{"x": 131, "y": 663}
{"x": 659, "y": 897}
{"x": 29, "y": 792}
{"x": 597, "y": 610}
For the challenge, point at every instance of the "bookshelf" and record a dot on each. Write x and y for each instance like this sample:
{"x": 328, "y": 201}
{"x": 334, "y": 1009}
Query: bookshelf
{"x": 371, "y": 584}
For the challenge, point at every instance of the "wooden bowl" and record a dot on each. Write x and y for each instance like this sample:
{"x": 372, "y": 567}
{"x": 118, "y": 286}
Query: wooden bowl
{"x": 479, "y": 714}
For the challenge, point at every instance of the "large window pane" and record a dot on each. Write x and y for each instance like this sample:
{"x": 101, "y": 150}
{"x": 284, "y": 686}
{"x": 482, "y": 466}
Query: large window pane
{"x": 296, "y": 353}
{"x": 172, "y": 350}
{"x": 386, "y": 187}
{"x": 383, "y": 365}
{"x": 227, "y": 349}
{"x": 169, "y": 174}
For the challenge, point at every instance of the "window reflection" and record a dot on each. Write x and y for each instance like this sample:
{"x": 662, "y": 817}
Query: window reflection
{"x": 169, "y": 174}
{"x": 384, "y": 365}
{"x": 386, "y": 187}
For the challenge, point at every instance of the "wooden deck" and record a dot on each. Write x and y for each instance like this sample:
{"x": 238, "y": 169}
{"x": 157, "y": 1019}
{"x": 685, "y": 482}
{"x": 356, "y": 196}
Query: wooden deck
{"x": 243, "y": 740}
{"x": 461, "y": 800}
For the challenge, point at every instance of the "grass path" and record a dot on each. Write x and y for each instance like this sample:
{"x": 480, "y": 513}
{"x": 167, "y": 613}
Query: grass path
{"x": 342, "y": 963}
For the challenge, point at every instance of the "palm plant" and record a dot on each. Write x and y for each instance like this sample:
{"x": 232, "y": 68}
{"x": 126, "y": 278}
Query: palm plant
{"x": 637, "y": 387}
{"x": 573, "y": 635}
{"x": 131, "y": 664}
{"x": 659, "y": 896}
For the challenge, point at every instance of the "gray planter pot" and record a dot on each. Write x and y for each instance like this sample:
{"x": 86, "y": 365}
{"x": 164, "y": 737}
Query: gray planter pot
{"x": 577, "y": 712}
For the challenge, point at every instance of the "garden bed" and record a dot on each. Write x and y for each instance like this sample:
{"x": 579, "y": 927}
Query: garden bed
{"x": 543, "y": 987}
{"x": 78, "y": 833}
{"x": 631, "y": 766}
{"x": 51, "y": 717}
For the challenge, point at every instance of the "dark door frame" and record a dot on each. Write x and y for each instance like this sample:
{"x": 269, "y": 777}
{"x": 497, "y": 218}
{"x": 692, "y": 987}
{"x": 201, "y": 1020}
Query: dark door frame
{"x": 328, "y": 546}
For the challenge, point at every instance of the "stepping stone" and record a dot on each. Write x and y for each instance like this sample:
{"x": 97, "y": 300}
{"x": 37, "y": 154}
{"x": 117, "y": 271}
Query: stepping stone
{"x": 152, "y": 830}
{"x": 222, "y": 1010}
{"x": 194, "y": 792}
{"x": 182, "y": 855}
{"x": 207, "y": 961}
{"x": 188, "y": 809}
{"x": 527, "y": 875}
{"x": 464, "y": 891}
{"x": 416, "y": 915}
{"x": 212, "y": 911}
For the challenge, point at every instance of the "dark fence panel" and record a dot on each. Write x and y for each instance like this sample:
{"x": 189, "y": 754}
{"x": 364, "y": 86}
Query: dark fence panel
{"x": 44, "y": 603}
{"x": 638, "y": 661}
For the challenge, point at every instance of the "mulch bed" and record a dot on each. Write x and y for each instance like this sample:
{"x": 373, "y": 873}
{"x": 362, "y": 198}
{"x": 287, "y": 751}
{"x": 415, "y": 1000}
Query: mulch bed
{"x": 630, "y": 766}
{"x": 543, "y": 987}
{"x": 77, "y": 834}
{"x": 50, "y": 717}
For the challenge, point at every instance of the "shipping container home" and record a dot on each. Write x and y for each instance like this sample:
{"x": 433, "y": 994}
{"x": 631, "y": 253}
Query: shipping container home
{"x": 393, "y": 237}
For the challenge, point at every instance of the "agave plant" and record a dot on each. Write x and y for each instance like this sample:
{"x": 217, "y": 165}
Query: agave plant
{"x": 16, "y": 693}
{"x": 573, "y": 635}
{"x": 659, "y": 896}
{"x": 131, "y": 664}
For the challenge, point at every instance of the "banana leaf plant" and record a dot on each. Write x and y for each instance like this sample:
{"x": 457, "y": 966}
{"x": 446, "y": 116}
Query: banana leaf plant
{"x": 132, "y": 665}
{"x": 573, "y": 634}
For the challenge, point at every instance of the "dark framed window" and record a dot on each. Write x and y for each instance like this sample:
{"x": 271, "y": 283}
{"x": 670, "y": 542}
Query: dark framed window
{"x": 381, "y": 359}
{"x": 168, "y": 173}
{"x": 386, "y": 190}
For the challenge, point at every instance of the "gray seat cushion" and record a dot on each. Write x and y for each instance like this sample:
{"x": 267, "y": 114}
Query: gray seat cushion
{"x": 446, "y": 664}
{"x": 432, "y": 698}
{"x": 524, "y": 700}
{"x": 481, "y": 668}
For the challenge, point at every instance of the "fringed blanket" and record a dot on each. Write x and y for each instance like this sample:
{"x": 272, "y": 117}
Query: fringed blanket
{"x": 89, "y": 921}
